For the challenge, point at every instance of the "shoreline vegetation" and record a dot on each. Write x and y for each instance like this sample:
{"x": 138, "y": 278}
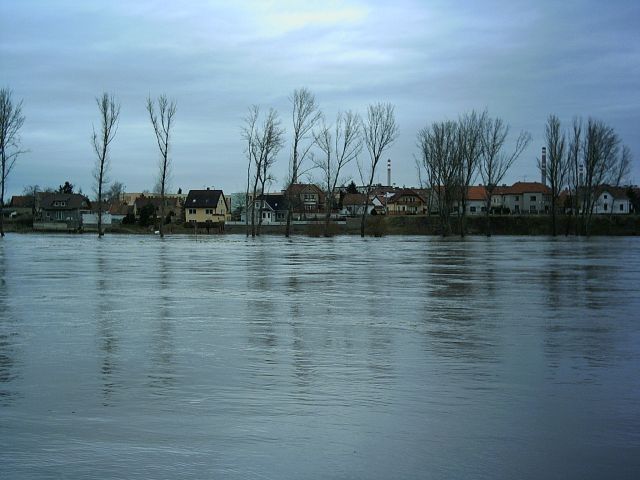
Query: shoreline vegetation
{"x": 505, "y": 225}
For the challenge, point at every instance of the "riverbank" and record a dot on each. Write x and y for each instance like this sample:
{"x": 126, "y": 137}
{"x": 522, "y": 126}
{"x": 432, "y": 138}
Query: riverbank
{"x": 536, "y": 225}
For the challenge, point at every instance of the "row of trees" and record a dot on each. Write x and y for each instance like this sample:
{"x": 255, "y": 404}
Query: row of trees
{"x": 580, "y": 160}
{"x": 315, "y": 144}
{"x": 454, "y": 153}
{"x": 161, "y": 113}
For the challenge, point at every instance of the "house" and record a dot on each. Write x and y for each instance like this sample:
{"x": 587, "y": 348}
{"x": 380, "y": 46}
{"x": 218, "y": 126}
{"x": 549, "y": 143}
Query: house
{"x": 476, "y": 200}
{"x": 307, "y": 200}
{"x": 405, "y": 202}
{"x": 353, "y": 205}
{"x": 20, "y": 205}
{"x": 522, "y": 197}
{"x": 207, "y": 206}
{"x": 271, "y": 206}
{"x": 64, "y": 209}
{"x": 612, "y": 200}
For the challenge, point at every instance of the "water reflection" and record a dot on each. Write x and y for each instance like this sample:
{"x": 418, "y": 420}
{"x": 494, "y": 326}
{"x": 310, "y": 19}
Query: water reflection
{"x": 107, "y": 323}
{"x": 577, "y": 345}
{"x": 162, "y": 374}
{"x": 8, "y": 337}
{"x": 460, "y": 277}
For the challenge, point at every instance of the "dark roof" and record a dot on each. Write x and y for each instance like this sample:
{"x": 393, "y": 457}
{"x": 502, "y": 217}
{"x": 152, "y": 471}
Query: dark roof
{"x": 617, "y": 192}
{"x": 63, "y": 201}
{"x": 276, "y": 201}
{"x": 299, "y": 188}
{"x": 21, "y": 201}
{"x": 404, "y": 193}
{"x": 354, "y": 199}
{"x": 203, "y": 198}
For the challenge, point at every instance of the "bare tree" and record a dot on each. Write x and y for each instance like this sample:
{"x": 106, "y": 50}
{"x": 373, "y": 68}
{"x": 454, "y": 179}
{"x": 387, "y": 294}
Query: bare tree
{"x": 470, "y": 128}
{"x": 115, "y": 191}
{"x": 600, "y": 151}
{"x": 109, "y": 113}
{"x": 379, "y": 133}
{"x": 269, "y": 143}
{"x": 440, "y": 149}
{"x": 249, "y": 136}
{"x": 573, "y": 153}
{"x": 494, "y": 163}
{"x": 162, "y": 121}
{"x": 264, "y": 142}
{"x": 305, "y": 115}
{"x": 339, "y": 149}
{"x": 557, "y": 165}
{"x": 11, "y": 121}
{"x": 31, "y": 192}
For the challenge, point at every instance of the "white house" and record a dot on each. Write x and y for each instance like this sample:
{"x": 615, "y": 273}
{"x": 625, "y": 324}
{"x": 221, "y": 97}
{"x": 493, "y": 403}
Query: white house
{"x": 612, "y": 200}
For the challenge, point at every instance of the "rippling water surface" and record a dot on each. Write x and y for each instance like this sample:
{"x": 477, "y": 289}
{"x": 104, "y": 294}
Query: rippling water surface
{"x": 401, "y": 357}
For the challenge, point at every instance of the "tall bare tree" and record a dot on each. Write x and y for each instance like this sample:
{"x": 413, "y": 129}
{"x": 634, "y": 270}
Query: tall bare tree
{"x": 494, "y": 163}
{"x": 109, "y": 114}
{"x": 573, "y": 153}
{"x": 379, "y": 133}
{"x": 11, "y": 121}
{"x": 249, "y": 136}
{"x": 264, "y": 142}
{"x": 600, "y": 150}
{"x": 557, "y": 164}
{"x": 305, "y": 115}
{"x": 338, "y": 150}
{"x": 440, "y": 149}
{"x": 162, "y": 121}
{"x": 470, "y": 128}
{"x": 269, "y": 143}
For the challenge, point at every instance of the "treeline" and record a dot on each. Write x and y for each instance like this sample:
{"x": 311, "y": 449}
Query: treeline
{"x": 316, "y": 145}
{"x": 451, "y": 154}
{"x": 161, "y": 113}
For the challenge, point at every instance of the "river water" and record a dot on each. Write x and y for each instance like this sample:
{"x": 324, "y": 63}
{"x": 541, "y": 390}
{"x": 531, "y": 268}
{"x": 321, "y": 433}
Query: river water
{"x": 398, "y": 357}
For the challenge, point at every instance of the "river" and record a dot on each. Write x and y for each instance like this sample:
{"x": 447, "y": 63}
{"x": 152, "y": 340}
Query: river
{"x": 396, "y": 357}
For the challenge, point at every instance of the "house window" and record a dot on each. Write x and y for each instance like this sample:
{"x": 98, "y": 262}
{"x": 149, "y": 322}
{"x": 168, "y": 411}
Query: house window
{"x": 605, "y": 196}
{"x": 209, "y": 211}
{"x": 533, "y": 198}
{"x": 517, "y": 198}
{"x": 59, "y": 215}
{"x": 192, "y": 211}
{"x": 533, "y": 209}
{"x": 605, "y": 207}
{"x": 472, "y": 209}
{"x": 483, "y": 209}
{"x": 621, "y": 207}
{"x": 309, "y": 197}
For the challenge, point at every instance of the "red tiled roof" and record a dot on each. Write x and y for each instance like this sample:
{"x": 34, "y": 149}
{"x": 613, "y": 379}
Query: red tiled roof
{"x": 476, "y": 193}
{"x": 519, "y": 188}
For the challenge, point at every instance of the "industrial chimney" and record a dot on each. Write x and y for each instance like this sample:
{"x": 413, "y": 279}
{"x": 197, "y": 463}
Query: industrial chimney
{"x": 543, "y": 166}
{"x": 388, "y": 172}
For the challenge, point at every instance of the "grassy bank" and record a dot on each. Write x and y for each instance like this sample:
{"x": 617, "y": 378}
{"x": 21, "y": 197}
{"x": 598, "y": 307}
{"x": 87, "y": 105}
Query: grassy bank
{"x": 628, "y": 225}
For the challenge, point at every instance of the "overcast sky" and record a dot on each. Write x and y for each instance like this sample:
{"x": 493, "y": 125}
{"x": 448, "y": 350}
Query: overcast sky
{"x": 434, "y": 60}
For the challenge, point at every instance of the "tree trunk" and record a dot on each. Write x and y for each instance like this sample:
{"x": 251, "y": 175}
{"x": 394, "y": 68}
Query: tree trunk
{"x": 553, "y": 215}
{"x": 364, "y": 213}
{"x": 488, "y": 215}
{"x": 2, "y": 197}
{"x": 327, "y": 215}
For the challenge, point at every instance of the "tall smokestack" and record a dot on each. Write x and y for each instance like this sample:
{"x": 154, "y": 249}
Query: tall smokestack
{"x": 389, "y": 172}
{"x": 543, "y": 166}
{"x": 581, "y": 175}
